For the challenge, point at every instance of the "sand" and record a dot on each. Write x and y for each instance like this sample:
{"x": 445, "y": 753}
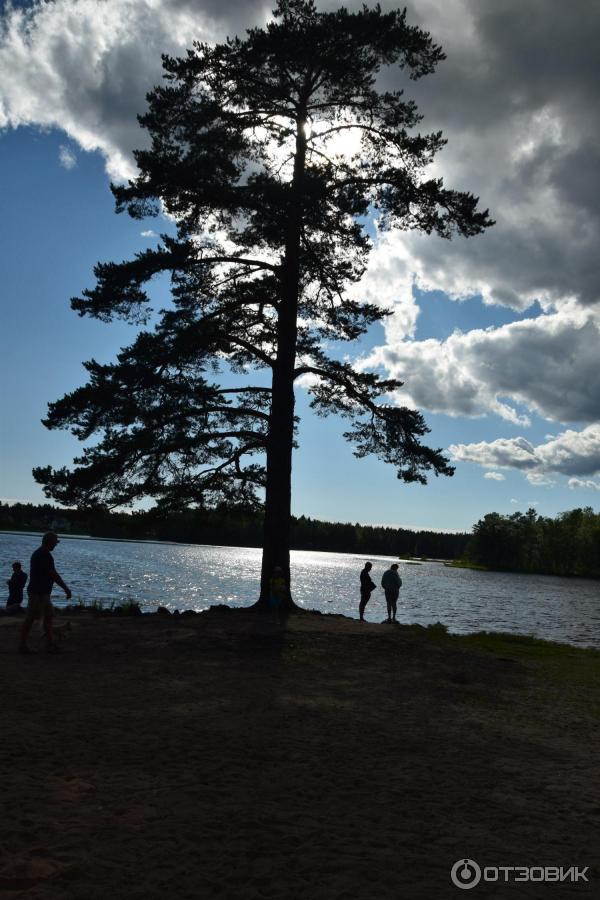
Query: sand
{"x": 219, "y": 756}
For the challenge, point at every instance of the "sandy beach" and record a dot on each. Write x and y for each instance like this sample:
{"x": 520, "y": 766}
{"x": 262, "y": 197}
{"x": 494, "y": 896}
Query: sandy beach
{"x": 221, "y": 756}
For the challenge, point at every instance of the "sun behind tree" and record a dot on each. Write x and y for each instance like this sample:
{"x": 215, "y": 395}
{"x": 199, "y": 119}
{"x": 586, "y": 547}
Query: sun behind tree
{"x": 269, "y": 154}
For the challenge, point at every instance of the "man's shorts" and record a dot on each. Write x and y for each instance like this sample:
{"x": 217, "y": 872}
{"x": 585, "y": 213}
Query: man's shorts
{"x": 39, "y": 605}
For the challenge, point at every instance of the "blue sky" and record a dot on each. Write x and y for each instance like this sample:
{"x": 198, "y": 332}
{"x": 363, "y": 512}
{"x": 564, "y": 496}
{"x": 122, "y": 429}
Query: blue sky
{"x": 495, "y": 338}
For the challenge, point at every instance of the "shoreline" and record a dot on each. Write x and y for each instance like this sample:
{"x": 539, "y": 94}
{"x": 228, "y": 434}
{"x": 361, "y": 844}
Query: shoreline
{"x": 475, "y": 567}
{"x": 134, "y": 609}
{"x": 65, "y": 535}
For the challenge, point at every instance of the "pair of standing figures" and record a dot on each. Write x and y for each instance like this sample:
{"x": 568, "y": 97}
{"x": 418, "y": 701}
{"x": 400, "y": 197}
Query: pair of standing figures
{"x": 391, "y": 584}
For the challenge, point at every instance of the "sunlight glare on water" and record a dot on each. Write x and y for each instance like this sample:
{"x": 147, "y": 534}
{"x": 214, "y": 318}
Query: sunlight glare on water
{"x": 183, "y": 576}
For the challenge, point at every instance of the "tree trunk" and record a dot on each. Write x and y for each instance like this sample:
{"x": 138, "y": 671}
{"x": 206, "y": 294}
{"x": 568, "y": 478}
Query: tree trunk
{"x": 276, "y": 536}
{"x": 278, "y": 497}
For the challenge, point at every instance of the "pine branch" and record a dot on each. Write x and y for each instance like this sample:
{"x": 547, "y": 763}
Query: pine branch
{"x": 252, "y": 349}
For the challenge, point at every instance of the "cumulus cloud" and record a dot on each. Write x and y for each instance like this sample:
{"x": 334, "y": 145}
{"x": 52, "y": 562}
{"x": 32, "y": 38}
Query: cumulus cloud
{"x": 85, "y": 67}
{"x": 507, "y": 453}
{"x": 149, "y": 233}
{"x": 494, "y": 476}
{"x": 571, "y": 453}
{"x": 586, "y": 484}
{"x": 540, "y": 479}
{"x": 388, "y": 282}
{"x": 66, "y": 157}
{"x": 517, "y": 100}
{"x": 548, "y": 364}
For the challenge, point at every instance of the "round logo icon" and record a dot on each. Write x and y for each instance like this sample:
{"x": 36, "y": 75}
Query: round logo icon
{"x": 465, "y": 874}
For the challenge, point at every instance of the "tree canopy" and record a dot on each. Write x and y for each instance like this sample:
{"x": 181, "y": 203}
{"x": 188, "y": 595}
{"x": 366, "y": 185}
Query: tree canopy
{"x": 526, "y": 542}
{"x": 270, "y": 154}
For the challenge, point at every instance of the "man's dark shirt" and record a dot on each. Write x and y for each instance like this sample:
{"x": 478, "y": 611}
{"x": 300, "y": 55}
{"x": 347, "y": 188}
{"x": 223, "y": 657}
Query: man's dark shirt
{"x": 41, "y": 572}
{"x": 15, "y": 587}
{"x": 366, "y": 583}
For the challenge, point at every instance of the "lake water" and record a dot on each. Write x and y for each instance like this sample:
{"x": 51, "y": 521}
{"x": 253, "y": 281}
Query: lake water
{"x": 184, "y": 576}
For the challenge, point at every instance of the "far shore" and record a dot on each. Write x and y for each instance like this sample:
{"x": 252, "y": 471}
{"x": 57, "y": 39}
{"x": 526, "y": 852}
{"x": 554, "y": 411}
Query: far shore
{"x": 406, "y": 560}
{"x": 68, "y": 535}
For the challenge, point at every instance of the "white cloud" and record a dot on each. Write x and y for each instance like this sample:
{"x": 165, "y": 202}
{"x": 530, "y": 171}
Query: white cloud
{"x": 515, "y": 453}
{"x": 148, "y": 234}
{"x": 85, "y": 66}
{"x": 494, "y": 476}
{"x": 572, "y": 453}
{"x": 540, "y": 479}
{"x": 66, "y": 157}
{"x": 516, "y": 98}
{"x": 549, "y": 365}
{"x": 587, "y": 484}
{"x": 388, "y": 282}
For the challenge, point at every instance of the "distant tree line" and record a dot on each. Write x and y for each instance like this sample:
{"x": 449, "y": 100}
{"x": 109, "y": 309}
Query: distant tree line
{"x": 231, "y": 526}
{"x": 525, "y": 542}
{"x": 522, "y": 542}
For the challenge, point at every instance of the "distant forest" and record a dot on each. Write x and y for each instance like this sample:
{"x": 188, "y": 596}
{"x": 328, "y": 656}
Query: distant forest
{"x": 234, "y": 528}
{"x": 522, "y": 542}
{"x": 526, "y": 542}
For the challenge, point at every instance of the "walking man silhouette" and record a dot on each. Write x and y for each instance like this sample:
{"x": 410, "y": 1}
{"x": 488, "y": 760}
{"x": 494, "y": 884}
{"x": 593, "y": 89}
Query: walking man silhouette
{"x": 42, "y": 575}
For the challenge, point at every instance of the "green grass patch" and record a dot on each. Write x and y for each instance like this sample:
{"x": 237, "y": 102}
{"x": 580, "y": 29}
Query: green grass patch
{"x": 562, "y": 673}
{"x": 127, "y": 608}
{"x": 465, "y": 564}
{"x": 526, "y": 645}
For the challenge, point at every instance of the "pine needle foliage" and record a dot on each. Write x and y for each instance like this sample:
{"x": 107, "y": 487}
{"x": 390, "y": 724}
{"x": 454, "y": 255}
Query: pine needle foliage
{"x": 270, "y": 153}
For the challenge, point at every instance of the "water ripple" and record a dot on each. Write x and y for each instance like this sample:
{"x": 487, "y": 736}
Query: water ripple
{"x": 195, "y": 577}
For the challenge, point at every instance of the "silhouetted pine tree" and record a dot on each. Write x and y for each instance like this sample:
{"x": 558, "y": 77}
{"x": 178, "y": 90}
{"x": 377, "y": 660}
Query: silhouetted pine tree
{"x": 270, "y": 213}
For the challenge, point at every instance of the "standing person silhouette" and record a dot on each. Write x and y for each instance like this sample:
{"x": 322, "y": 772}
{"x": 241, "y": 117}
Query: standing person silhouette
{"x": 42, "y": 575}
{"x": 16, "y": 583}
{"x": 367, "y": 586}
{"x": 391, "y": 584}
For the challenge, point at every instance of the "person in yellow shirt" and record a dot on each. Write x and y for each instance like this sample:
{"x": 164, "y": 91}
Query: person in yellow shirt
{"x": 278, "y": 592}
